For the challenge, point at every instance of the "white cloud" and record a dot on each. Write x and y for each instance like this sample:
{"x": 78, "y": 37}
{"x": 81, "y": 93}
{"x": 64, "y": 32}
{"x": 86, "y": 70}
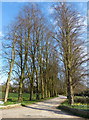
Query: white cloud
{"x": 3, "y": 79}
{"x": 1, "y": 35}
{"x": 51, "y": 10}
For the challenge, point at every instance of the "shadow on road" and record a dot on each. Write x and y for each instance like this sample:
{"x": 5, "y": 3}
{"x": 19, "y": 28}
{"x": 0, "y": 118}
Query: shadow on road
{"x": 51, "y": 110}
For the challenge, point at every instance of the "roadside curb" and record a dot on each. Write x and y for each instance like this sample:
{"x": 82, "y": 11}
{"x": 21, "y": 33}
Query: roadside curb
{"x": 10, "y": 106}
{"x": 75, "y": 111}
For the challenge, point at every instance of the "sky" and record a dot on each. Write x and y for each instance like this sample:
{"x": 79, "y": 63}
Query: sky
{"x": 10, "y": 11}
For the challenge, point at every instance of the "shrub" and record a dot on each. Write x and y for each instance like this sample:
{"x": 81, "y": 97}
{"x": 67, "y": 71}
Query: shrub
{"x": 82, "y": 100}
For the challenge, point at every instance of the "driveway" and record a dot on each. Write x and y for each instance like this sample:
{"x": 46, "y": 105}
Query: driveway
{"x": 46, "y": 109}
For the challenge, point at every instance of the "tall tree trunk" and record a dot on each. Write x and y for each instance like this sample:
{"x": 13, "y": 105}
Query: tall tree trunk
{"x": 10, "y": 72}
{"x": 21, "y": 87}
{"x": 45, "y": 88}
{"x": 23, "y": 64}
{"x": 70, "y": 90}
{"x": 31, "y": 87}
{"x": 48, "y": 88}
{"x": 37, "y": 87}
{"x": 72, "y": 95}
{"x": 31, "y": 92}
{"x": 7, "y": 86}
{"x": 42, "y": 88}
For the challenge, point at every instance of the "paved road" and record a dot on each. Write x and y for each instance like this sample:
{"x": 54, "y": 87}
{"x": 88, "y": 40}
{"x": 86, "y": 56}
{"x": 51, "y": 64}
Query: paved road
{"x": 46, "y": 109}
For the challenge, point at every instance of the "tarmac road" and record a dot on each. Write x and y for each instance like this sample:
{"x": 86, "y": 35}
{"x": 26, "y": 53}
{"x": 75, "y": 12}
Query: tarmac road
{"x": 46, "y": 109}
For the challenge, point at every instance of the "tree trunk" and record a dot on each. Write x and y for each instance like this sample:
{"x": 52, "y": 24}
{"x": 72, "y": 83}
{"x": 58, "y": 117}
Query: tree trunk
{"x": 10, "y": 72}
{"x": 7, "y": 88}
{"x": 21, "y": 87}
{"x": 37, "y": 87}
{"x": 31, "y": 88}
{"x": 72, "y": 95}
{"x": 42, "y": 89}
{"x": 31, "y": 92}
{"x": 45, "y": 88}
{"x": 70, "y": 90}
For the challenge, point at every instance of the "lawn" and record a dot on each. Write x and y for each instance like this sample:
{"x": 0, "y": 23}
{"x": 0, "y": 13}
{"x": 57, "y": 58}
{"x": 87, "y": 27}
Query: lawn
{"x": 13, "y": 99}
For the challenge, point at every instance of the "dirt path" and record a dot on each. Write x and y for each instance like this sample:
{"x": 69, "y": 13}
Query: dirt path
{"x": 46, "y": 109}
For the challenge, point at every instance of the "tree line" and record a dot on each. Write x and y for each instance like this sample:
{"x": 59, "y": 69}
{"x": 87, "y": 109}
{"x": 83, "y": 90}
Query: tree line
{"x": 40, "y": 54}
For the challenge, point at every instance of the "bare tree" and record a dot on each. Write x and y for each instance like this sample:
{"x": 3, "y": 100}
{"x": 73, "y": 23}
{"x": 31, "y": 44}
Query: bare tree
{"x": 33, "y": 63}
{"x": 11, "y": 36}
{"x": 69, "y": 26}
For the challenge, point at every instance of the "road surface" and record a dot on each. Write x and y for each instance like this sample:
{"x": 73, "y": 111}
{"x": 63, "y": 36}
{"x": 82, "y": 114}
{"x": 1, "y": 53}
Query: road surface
{"x": 46, "y": 109}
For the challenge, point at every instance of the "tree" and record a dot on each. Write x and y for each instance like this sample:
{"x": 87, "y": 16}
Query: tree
{"x": 69, "y": 26}
{"x": 14, "y": 37}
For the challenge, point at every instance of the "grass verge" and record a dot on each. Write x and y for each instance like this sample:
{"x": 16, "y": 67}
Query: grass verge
{"x": 83, "y": 106}
{"x": 13, "y": 99}
{"x": 35, "y": 101}
{"x": 79, "y": 109}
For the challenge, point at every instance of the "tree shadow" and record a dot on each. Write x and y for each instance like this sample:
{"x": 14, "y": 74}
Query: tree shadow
{"x": 53, "y": 102}
{"x": 51, "y": 110}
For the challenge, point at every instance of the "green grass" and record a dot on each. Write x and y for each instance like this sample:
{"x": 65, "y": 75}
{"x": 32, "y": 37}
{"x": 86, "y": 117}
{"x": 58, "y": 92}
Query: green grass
{"x": 80, "y": 106}
{"x": 76, "y": 105}
{"x": 14, "y": 96}
{"x": 13, "y": 99}
{"x": 80, "y": 103}
{"x": 34, "y": 101}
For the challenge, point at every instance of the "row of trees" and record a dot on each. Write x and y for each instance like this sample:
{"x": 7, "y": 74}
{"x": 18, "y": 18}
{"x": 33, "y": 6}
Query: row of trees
{"x": 33, "y": 60}
{"x": 36, "y": 49}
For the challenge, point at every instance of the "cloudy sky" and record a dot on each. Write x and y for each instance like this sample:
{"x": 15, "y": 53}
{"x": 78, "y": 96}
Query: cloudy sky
{"x": 9, "y": 10}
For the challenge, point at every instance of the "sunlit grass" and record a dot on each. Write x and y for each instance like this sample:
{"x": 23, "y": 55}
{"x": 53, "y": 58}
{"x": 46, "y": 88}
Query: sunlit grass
{"x": 13, "y": 99}
{"x": 76, "y": 105}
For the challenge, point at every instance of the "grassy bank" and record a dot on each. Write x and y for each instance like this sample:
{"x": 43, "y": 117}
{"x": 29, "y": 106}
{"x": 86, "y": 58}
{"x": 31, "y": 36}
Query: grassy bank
{"x": 79, "y": 108}
{"x": 83, "y": 106}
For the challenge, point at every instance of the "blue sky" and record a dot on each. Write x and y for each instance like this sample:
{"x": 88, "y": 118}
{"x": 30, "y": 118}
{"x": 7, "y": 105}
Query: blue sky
{"x": 10, "y": 11}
